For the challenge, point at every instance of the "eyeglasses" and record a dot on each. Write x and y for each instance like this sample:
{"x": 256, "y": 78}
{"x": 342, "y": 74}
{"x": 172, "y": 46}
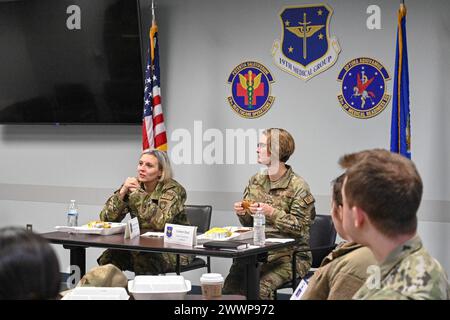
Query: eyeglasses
{"x": 261, "y": 145}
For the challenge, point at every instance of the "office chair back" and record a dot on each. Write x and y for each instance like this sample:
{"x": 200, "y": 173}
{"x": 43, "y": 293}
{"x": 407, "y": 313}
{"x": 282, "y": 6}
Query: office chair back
{"x": 322, "y": 238}
{"x": 199, "y": 216}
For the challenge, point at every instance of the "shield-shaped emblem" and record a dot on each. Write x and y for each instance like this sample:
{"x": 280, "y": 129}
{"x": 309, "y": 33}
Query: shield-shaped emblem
{"x": 305, "y": 33}
{"x": 306, "y": 48}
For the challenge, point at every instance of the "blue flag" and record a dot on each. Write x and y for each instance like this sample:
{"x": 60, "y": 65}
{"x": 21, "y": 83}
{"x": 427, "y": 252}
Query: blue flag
{"x": 400, "y": 123}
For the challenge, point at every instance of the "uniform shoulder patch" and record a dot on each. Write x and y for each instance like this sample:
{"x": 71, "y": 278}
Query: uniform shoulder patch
{"x": 306, "y": 198}
{"x": 309, "y": 199}
{"x": 168, "y": 196}
{"x": 163, "y": 205}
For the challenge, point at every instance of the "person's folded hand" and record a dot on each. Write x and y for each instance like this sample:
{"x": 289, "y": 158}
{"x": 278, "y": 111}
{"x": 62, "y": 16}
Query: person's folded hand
{"x": 240, "y": 211}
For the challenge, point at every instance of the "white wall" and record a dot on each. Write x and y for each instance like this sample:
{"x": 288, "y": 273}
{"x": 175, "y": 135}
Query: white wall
{"x": 201, "y": 41}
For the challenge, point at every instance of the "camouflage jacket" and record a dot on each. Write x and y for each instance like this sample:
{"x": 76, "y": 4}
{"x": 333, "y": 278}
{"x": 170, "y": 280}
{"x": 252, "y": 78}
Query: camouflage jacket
{"x": 341, "y": 273}
{"x": 294, "y": 210}
{"x": 409, "y": 272}
{"x": 164, "y": 205}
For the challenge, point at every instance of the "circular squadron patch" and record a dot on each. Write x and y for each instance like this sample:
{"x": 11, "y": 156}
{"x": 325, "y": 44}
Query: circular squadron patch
{"x": 363, "y": 88}
{"x": 250, "y": 89}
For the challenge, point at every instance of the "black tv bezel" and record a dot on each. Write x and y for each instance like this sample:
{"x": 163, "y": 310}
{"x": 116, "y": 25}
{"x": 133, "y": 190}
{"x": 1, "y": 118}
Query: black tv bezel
{"x": 138, "y": 123}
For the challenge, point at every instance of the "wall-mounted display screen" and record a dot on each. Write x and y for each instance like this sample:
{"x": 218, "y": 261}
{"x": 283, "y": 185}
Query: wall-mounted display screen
{"x": 70, "y": 62}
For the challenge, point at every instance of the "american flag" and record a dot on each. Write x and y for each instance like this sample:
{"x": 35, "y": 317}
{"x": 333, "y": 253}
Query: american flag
{"x": 153, "y": 128}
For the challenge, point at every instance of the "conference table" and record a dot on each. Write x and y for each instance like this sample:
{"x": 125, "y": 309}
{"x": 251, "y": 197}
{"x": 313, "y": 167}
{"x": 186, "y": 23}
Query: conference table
{"x": 77, "y": 244}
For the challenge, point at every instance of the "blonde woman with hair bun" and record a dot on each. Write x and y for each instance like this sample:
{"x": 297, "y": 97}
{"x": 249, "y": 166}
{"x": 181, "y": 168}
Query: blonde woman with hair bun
{"x": 155, "y": 198}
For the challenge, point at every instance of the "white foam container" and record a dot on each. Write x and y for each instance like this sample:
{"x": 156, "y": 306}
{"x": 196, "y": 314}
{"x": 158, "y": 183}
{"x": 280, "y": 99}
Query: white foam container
{"x": 159, "y": 287}
{"x": 97, "y": 293}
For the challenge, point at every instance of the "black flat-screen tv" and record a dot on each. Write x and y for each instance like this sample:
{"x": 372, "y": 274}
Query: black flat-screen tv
{"x": 70, "y": 62}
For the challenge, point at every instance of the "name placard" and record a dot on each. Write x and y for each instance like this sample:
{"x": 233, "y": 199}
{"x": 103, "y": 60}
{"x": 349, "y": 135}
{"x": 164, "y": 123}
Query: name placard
{"x": 300, "y": 290}
{"x": 132, "y": 229}
{"x": 179, "y": 234}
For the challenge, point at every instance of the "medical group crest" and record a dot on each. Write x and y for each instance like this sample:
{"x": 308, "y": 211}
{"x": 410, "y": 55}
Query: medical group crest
{"x": 306, "y": 48}
{"x": 250, "y": 89}
{"x": 363, "y": 88}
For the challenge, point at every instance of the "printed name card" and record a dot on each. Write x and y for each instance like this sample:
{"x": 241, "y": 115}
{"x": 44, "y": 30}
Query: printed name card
{"x": 132, "y": 229}
{"x": 300, "y": 290}
{"x": 179, "y": 234}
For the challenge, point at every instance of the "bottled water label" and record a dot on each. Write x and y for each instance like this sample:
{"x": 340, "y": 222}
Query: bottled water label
{"x": 259, "y": 222}
{"x": 72, "y": 220}
{"x": 72, "y": 214}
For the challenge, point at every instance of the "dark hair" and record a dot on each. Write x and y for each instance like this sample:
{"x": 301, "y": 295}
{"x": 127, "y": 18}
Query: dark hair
{"x": 29, "y": 268}
{"x": 388, "y": 187}
{"x": 337, "y": 189}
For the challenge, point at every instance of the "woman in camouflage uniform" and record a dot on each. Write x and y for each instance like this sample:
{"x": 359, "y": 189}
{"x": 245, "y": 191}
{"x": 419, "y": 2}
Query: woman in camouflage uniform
{"x": 155, "y": 199}
{"x": 287, "y": 203}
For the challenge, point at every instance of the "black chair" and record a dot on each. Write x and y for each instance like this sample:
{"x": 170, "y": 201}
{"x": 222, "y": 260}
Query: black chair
{"x": 321, "y": 242}
{"x": 199, "y": 216}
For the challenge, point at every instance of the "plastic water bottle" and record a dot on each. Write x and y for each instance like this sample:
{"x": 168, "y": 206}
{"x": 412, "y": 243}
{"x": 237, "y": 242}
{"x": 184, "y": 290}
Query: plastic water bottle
{"x": 259, "y": 228}
{"x": 72, "y": 214}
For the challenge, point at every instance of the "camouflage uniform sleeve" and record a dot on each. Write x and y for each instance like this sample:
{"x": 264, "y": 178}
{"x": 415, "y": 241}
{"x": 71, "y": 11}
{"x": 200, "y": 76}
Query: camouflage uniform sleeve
{"x": 297, "y": 221}
{"x": 364, "y": 293}
{"x": 153, "y": 215}
{"x": 386, "y": 294}
{"x": 246, "y": 220}
{"x": 115, "y": 209}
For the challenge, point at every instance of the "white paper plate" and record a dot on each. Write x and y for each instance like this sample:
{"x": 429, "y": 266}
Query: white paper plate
{"x": 116, "y": 227}
{"x": 238, "y": 233}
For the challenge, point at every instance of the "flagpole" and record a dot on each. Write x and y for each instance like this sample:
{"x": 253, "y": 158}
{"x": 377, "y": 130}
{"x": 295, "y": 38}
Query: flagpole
{"x": 154, "y": 130}
{"x": 400, "y": 121}
{"x": 153, "y": 12}
{"x": 153, "y": 30}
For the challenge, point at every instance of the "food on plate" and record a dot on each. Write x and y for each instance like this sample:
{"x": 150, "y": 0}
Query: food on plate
{"x": 247, "y": 203}
{"x": 242, "y": 230}
{"x": 99, "y": 224}
{"x": 218, "y": 233}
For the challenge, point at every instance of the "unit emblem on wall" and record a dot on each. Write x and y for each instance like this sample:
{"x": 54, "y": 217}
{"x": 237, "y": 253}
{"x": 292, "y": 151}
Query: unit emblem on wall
{"x": 306, "y": 48}
{"x": 250, "y": 89}
{"x": 363, "y": 88}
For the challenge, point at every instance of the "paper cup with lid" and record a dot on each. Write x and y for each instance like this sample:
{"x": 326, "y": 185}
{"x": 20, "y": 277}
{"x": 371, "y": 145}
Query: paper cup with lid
{"x": 212, "y": 284}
